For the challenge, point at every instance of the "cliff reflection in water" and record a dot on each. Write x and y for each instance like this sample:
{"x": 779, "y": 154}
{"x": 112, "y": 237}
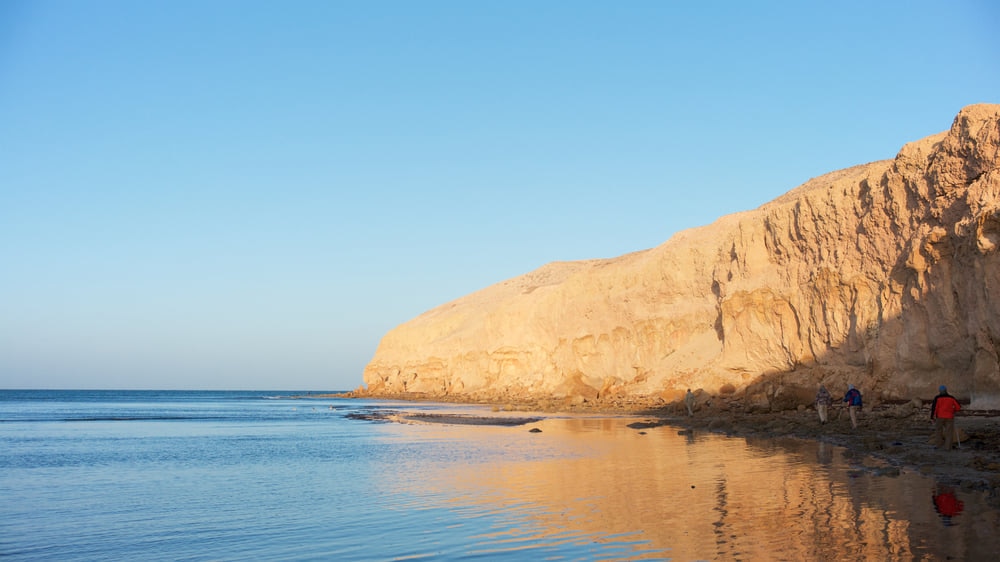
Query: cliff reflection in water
{"x": 703, "y": 496}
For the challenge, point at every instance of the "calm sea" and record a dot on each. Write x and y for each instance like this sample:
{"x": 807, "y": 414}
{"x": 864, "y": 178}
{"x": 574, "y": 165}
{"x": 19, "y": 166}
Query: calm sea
{"x": 268, "y": 475}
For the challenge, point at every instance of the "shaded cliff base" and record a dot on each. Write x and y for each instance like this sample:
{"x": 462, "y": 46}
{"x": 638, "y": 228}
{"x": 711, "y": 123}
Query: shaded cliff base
{"x": 897, "y": 433}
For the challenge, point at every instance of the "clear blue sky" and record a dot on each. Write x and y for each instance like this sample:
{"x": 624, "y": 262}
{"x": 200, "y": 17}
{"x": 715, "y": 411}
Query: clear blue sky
{"x": 239, "y": 194}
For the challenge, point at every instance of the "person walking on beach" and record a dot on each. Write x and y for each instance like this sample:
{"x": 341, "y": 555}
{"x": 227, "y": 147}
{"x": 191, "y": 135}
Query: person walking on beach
{"x": 853, "y": 399}
{"x": 943, "y": 410}
{"x": 689, "y": 402}
{"x": 823, "y": 401}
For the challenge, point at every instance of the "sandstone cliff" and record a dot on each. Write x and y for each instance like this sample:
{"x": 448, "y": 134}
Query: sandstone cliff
{"x": 885, "y": 275}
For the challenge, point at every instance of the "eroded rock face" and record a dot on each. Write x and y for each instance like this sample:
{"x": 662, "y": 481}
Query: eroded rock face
{"x": 885, "y": 275}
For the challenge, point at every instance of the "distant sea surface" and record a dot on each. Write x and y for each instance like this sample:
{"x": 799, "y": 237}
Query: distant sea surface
{"x": 287, "y": 475}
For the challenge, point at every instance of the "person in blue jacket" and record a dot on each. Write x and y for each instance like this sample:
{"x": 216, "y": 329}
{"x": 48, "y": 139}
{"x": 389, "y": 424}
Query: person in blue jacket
{"x": 853, "y": 399}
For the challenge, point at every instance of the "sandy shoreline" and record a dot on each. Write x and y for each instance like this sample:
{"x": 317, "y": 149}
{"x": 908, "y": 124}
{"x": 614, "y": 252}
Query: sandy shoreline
{"x": 896, "y": 433}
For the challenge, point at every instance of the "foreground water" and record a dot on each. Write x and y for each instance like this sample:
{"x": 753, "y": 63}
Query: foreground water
{"x": 102, "y": 475}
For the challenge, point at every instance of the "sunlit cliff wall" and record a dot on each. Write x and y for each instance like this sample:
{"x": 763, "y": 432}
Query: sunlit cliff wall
{"x": 886, "y": 275}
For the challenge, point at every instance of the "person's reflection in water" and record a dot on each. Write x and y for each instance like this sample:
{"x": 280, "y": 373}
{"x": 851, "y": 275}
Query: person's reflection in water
{"x": 824, "y": 453}
{"x": 688, "y": 435}
{"x": 946, "y": 504}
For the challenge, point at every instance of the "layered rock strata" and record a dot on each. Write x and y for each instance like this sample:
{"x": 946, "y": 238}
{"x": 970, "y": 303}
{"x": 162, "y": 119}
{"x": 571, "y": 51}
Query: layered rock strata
{"x": 885, "y": 275}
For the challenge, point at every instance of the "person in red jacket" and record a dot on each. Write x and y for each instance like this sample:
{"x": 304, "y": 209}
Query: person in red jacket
{"x": 943, "y": 410}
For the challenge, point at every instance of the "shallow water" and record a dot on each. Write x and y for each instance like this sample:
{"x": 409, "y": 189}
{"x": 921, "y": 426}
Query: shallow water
{"x": 232, "y": 476}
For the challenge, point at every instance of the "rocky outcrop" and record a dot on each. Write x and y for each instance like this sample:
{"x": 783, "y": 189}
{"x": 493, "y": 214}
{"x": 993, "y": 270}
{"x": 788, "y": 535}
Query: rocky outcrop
{"x": 885, "y": 275}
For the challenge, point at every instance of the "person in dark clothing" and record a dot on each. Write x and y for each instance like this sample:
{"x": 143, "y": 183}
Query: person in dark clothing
{"x": 853, "y": 399}
{"x": 943, "y": 410}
